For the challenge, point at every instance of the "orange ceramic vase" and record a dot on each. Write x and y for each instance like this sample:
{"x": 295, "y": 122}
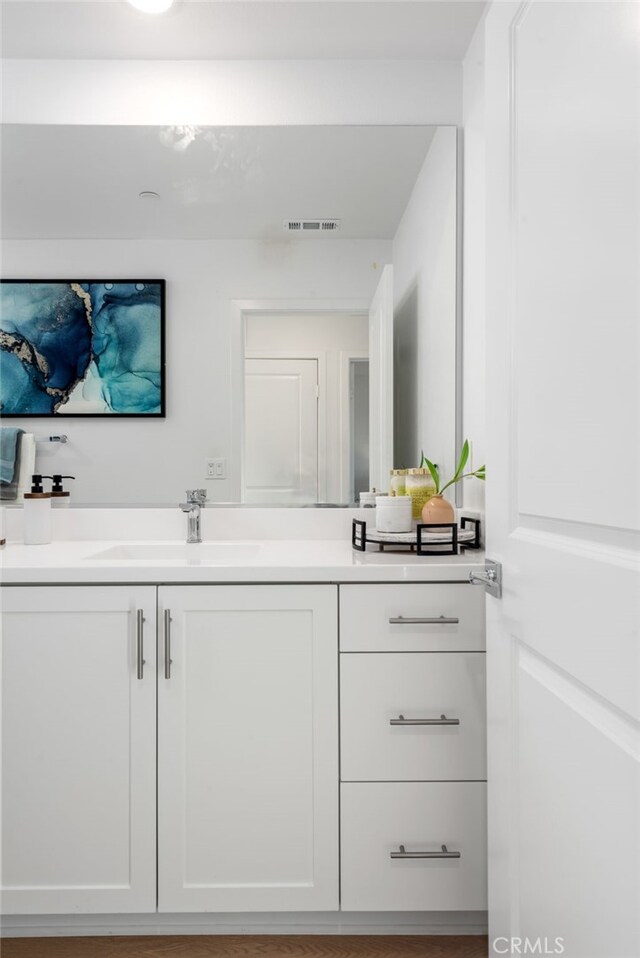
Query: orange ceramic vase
{"x": 437, "y": 509}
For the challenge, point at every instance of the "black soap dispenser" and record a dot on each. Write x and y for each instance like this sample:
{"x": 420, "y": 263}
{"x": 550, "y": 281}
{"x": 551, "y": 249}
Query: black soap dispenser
{"x": 59, "y": 496}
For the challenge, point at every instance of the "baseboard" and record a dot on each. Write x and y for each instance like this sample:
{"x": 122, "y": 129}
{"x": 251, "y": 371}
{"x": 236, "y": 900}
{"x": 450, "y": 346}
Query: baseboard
{"x": 302, "y": 923}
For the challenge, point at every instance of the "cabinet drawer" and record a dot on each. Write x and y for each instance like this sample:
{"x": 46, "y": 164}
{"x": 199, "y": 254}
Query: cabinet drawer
{"x": 377, "y": 818}
{"x": 369, "y": 617}
{"x": 376, "y": 689}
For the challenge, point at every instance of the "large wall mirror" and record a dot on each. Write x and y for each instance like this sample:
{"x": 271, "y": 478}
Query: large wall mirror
{"x": 311, "y": 301}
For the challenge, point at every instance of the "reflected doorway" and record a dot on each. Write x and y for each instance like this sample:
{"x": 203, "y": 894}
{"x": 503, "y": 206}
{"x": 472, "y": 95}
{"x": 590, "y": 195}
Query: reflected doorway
{"x": 305, "y": 425}
{"x": 358, "y": 427}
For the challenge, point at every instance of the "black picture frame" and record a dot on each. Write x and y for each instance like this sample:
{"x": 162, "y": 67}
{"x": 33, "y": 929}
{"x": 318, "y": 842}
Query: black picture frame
{"x": 112, "y": 415}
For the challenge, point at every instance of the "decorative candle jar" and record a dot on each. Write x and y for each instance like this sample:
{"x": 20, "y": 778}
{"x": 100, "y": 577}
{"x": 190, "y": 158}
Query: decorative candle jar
{"x": 393, "y": 514}
{"x": 398, "y": 482}
{"x": 421, "y": 487}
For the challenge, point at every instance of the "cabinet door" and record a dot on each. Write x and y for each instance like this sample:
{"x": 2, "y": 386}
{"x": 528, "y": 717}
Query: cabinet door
{"x": 78, "y": 736}
{"x": 248, "y": 749}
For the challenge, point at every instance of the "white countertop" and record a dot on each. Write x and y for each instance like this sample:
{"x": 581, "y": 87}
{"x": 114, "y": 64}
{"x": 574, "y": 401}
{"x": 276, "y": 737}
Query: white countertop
{"x": 264, "y": 560}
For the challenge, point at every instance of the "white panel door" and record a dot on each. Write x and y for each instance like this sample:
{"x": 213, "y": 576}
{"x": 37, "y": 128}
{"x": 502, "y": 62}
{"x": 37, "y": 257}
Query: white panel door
{"x": 563, "y": 496}
{"x": 78, "y": 750}
{"x": 248, "y": 749}
{"x": 281, "y": 431}
{"x": 381, "y": 382}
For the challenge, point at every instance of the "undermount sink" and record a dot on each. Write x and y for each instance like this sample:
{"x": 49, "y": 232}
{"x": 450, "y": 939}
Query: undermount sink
{"x": 216, "y": 553}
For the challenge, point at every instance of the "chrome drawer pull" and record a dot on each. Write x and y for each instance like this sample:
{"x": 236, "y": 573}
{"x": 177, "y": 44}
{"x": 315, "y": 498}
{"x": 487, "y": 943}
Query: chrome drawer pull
{"x": 443, "y": 720}
{"x": 429, "y": 620}
{"x": 445, "y": 853}
{"x": 167, "y": 643}
{"x": 140, "y": 643}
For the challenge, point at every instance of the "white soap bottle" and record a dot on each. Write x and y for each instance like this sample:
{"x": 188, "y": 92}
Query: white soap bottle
{"x": 37, "y": 513}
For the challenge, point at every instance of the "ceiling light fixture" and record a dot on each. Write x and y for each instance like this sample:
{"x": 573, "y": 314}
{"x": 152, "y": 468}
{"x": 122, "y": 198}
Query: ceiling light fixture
{"x": 149, "y": 195}
{"x": 151, "y": 6}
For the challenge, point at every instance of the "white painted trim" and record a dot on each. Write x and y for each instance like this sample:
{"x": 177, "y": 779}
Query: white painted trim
{"x": 459, "y": 347}
{"x": 302, "y": 923}
{"x": 239, "y": 308}
{"x": 381, "y": 397}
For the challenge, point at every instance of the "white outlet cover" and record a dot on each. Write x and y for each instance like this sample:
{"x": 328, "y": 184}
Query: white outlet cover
{"x": 216, "y": 469}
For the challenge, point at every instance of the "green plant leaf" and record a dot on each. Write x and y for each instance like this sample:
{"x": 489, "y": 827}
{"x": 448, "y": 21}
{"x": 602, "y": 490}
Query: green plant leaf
{"x": 464, "y": 455}
{"x": 435, "y": 475}
{"x": 469, "y": 475}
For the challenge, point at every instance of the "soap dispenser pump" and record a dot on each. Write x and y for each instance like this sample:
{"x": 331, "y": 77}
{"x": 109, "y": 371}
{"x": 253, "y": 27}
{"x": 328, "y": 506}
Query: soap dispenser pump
{"x": 37, "y": 513}
{"x": 59, "y": 496}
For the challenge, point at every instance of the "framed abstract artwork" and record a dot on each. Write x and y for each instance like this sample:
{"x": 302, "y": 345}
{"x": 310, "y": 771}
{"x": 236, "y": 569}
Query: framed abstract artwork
{"x": 82, "y": 348}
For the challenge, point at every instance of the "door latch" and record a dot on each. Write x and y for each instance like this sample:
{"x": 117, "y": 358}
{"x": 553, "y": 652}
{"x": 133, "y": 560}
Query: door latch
{"x": 491, "y": 578}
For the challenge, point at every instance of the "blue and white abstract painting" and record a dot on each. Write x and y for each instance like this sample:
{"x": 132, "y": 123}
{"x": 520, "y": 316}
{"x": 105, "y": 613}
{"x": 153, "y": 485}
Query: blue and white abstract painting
{"x": 82, "y": 348}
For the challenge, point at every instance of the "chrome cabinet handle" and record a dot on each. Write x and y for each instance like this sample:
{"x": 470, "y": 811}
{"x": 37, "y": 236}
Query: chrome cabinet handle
{"x": 443, "y": 720}
{"x": 444, "y": 853}
{"x": 429, "y": 620}
{"x": 140, "y": 643}
{"x": 167, "y": 643}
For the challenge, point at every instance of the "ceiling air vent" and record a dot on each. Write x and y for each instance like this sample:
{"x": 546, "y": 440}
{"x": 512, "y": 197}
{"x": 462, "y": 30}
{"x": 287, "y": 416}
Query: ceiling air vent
{"x": 311, "y": 226}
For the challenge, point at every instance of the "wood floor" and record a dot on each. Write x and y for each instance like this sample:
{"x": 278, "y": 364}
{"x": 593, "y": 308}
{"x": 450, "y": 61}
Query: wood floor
{"x": 250, "y": 946}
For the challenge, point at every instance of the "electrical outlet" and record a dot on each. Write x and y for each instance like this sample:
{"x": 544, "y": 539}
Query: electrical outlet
{"x": 216, "y": 469}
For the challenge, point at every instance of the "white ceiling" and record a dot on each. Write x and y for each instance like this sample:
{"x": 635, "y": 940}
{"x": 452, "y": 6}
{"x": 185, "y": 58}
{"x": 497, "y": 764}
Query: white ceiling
{"x": 218, "y": 29}
{"x": 215, "y": 182}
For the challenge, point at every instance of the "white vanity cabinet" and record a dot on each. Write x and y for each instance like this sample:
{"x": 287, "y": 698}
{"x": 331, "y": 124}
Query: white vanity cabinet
{"x": 248, "y": 748}
{"x": 413, "y": 748}
{"x": 218, "y": 706}
{"x": 78, "y": 749}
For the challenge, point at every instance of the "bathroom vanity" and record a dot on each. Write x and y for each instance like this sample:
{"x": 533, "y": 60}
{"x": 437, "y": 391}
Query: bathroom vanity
{"x": 273, "y": 726}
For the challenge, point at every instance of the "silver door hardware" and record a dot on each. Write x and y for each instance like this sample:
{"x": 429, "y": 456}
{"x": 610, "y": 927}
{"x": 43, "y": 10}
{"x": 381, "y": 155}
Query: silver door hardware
{"x": 491, "y": 578}
{"x": 443, "y": 720}
{"x": 429, "y": 620}
{"x": 140, "y": 643}
{"x": 444, "y": 853}
{"x": 167, "y": 643}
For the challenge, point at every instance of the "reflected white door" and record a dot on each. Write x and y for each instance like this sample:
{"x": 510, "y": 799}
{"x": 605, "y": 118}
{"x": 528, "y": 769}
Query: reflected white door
{"x": 563, "y": 509}
{"x": 381, "y": 382}
{"x": 281, "y": 431}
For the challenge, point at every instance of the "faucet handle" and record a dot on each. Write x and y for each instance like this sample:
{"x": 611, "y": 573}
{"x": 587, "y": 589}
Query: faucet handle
{"x": 197, "y": 495}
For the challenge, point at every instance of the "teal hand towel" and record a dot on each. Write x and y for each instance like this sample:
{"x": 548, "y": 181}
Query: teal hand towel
{"x": 9, "y": 454}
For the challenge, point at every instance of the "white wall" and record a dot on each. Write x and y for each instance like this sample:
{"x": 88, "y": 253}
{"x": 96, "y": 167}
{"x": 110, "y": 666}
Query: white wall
{"x": 424, "y": 259}
{"x": 331, "y": 339}
{"x": 156, "y": 460}
{"x": 473, "y": 384}
{"x": 316, "y": 333}
{"x": 234, "y": 93}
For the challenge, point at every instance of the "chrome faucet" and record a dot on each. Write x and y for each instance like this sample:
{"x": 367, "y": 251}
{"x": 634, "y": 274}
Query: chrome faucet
{"x": 196, "y": 498}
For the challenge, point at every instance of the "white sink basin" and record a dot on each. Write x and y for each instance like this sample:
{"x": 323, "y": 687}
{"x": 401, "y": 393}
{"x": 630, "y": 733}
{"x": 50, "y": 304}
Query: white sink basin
{"x": 212, "y": 553}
